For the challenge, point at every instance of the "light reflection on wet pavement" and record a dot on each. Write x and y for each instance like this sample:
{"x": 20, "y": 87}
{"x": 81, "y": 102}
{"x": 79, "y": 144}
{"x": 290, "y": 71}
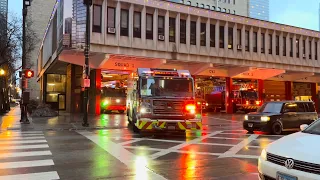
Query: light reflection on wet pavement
{"x": 221, "y": 151}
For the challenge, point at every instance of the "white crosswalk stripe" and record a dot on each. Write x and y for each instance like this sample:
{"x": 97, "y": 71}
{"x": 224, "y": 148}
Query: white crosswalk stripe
{"x": 33, "y": 150}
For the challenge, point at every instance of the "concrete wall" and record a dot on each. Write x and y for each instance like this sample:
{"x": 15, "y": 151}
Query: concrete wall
{"x": 39, "y": 12}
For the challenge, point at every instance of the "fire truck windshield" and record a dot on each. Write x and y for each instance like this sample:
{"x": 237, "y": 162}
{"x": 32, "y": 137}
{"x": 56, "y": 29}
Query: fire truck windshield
{"x": 249, "y": 94}
{"x": 113, "y": 92}
{"x": 179, "y": 87}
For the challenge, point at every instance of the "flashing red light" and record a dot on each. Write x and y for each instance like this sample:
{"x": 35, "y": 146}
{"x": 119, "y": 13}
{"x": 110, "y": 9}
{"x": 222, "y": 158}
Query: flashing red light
{"x": 191, "y": 108}
{"x": 28, "y": 73}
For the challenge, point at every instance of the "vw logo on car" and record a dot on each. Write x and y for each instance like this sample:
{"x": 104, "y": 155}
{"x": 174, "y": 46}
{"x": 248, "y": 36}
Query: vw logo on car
{"x": 289, "y": 163}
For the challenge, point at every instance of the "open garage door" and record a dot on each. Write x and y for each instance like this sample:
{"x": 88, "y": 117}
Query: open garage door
{"x": 274, "y": 91}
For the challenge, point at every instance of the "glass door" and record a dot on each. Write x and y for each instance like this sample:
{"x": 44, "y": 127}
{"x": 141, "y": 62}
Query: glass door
{"x": 62, "y": 101}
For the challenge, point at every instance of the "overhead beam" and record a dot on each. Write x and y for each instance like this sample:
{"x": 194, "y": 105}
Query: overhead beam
{"x": 292, "y": 77}
{"x": 198, "y": 68}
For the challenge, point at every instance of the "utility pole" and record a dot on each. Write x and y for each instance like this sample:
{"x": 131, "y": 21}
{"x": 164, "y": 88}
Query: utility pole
{"x": 88, "y": 4}
{"x": 24, "y": 117}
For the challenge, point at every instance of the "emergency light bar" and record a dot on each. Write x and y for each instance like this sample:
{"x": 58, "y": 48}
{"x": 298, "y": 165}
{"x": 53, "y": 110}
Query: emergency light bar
{"x": 163, "y": 72}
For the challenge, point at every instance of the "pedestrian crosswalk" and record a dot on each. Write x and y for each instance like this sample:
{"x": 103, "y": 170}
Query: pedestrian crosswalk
{"x": 22, "y": 154}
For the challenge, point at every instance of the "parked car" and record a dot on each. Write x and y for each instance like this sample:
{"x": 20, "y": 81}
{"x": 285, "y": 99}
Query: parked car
{"x": 276, "y": 117}
{"x": 293, "y": 157}
{"x": 201, "y": 103}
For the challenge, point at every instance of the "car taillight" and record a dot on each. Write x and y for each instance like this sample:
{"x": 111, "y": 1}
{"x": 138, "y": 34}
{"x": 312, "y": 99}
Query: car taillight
{"x": 191, "y": 108}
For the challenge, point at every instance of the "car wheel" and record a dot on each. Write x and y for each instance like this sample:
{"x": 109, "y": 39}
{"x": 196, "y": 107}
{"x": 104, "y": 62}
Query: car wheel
{"x": 134, "y": 120}
{"x": 276, "y": 128}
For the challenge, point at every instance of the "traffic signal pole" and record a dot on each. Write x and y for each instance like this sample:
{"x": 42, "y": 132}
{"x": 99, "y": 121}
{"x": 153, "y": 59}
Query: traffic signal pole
{"x": 24, "y": 117}
{"x": 88, "y": 4}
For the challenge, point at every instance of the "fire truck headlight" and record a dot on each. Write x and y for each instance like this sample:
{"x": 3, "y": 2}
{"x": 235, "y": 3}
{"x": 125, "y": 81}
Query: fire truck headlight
{"x": 117, "y": 100}
{"x": 265, "y": 118}
{"x": 105, "y": 103}
{"x": 246, "y": 117}
{"x": 192, "y": 111}
{"x": 143, "y": 110}
{"x": 207, "y": 104}
{"x": 198, "y": 103}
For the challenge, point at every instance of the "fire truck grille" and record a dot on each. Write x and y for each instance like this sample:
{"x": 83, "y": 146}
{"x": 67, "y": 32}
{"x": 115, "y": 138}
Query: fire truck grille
{"x": 168, "y": 107}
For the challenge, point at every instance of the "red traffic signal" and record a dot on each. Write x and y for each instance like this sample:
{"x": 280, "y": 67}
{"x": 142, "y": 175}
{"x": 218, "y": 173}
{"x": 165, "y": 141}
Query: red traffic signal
{"x": 28, "y": 73}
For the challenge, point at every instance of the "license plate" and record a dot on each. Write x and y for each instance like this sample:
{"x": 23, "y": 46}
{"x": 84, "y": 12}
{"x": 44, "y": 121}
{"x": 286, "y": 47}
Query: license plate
{"x": 250, "y": 124}
{"x": 281, "y": 176}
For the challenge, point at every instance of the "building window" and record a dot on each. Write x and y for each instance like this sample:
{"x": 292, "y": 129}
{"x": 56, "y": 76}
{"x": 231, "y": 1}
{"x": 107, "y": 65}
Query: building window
{"x": 213, "y": 8}
{"x": 255, "y": 42}
{"x": 149, "y": 26}
{"x": 247, "y": 40}
{"x": 229, "y": 11}
{"x": 310, "y": 49}
{"x": 284, "y": 53}
{"x": 208, "y": 6}
{"x": 263, "y": 47}
{"x": 202, "y": 5}
{"x": 316, "y": 50}
{"x": 304, "y": 49}
{"x": 277, "y": 45}
{"x": 224, "y": 10}
{"x": 239, "y": 39}
{"x": 221, "y": 37}
{"x": 96, "y": 24}
{"x": 203, "y": 34}
{"x": 234, "y": 11}
{"x": 189, "y": 3}
{"x": 229, "y": 1}
{"x": 291, "y": 47}
{"x": 183, "y": 31}
{"x": 111, "y": 18}
{"x": 137, "y": 25}
{"x": 212, "y": 35}
{"x": 172, "y": 29}
{"x": 219, "y": 9}
{"x": 124, "y": 30}
{"x": 234, "y": 1}
{"x": 270, "y": 44}
{"x": 297, "y": 48}
{"x": 193, "y": 33}
{"x": 197, "y": 4}
{"x": 160, "y": 26}
{"x": 230, "y": 38}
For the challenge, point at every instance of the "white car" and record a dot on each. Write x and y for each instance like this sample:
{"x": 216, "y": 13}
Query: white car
{"x": 293, "y": 157}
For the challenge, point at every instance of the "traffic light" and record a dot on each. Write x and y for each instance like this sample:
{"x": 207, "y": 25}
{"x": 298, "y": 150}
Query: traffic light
{"x": 28, "y": 73}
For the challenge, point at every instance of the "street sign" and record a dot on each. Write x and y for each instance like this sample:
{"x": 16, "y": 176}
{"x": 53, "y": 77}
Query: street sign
{"x": 86, "y": 83}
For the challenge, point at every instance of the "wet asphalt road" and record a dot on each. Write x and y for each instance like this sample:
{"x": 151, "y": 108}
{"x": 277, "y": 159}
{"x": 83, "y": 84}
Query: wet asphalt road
{"x": 222, "y": 150}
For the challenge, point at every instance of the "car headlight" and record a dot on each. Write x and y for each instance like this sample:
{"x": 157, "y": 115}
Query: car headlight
{"x": 117, "y": 100}
{"x": 265, "y": 118}
{"x": 263, "y": 154}
{"x": 246, "y": 117}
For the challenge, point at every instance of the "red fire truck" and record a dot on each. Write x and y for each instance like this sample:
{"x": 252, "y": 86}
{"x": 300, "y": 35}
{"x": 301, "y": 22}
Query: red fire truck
{"x": 162, "y": 99}
{"x": 245, "y": 98}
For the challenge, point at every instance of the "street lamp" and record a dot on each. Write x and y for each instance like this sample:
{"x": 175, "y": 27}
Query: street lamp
{"x": 88, "y": 3}
{"x": 2, "y": 72}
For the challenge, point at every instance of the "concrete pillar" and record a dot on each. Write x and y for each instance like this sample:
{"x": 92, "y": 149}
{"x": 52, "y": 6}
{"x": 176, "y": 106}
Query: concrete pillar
{"x": 261, "y": 90}
{"x": 288, "y": 89}
{"x": 95, "y": 91}
{"x": 228, "y": 100}
{"x": 314, "y": 95}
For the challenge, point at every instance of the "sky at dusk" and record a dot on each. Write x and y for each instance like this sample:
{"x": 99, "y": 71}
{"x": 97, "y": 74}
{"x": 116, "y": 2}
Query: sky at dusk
{"x": 301, "y": 13}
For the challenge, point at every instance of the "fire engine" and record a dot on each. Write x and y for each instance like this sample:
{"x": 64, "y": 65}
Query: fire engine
{"x": 162, "y": 99}
{"x": 245, "y": 99}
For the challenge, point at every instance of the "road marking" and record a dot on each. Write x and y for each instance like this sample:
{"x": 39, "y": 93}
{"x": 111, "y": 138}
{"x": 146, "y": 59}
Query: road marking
{"x": 20, "y": 138}
{"x": 234, "y": 133}
{"x": 233, "y": 151}
{"x": 20, "y": 135}
{"x": 25, "y": 147}
{"x": 23, "y": 142}
{"x": 240, "y": 156}
{"x": 215, "y": 144}
{"x": 26, "y": 132}
{"x": 226, "y": 138}
{"x": 131, "y": 141}
{"x": 23, "y": 164}
{"x": 228, "y": 120}
{"x": 25, "y": 154}
{"x": 34, "y": 176}
{"x": 122, "y": 154}
{"x": 167, "y": 151}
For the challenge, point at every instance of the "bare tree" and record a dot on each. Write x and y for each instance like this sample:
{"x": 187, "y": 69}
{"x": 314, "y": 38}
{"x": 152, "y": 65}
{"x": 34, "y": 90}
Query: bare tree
{"x": 11, "y": 49}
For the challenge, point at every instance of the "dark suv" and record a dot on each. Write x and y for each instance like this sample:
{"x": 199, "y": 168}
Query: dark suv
{"x": 276, "y": 117}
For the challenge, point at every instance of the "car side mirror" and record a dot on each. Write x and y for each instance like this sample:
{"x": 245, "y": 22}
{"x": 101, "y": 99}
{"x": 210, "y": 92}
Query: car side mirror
{"x": 303, "y": 127}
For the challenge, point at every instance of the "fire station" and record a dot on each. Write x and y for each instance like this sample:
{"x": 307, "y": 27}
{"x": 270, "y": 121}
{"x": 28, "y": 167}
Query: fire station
{"x": 230, "y": 57}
